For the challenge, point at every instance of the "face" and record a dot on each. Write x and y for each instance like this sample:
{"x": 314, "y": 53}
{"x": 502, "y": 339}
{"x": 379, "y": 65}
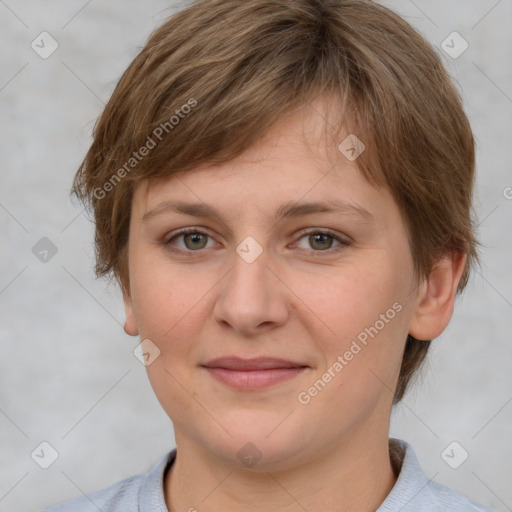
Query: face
{"x": 289, "y": 255}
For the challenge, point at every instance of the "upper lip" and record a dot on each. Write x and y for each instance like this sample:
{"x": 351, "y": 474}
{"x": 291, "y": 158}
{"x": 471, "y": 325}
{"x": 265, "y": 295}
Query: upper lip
{"x": 257, "y": 363}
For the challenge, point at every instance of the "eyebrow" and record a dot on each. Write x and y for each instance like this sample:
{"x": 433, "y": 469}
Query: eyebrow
{"x": 291, "y": 209}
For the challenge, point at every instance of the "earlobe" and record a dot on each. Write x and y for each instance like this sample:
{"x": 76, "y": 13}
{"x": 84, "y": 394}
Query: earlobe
{"x": 130, "y": 323}
{"x": 436, "y": 298}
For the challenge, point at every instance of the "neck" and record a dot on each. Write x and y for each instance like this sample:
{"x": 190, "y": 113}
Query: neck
{"x": 356, "y": 475}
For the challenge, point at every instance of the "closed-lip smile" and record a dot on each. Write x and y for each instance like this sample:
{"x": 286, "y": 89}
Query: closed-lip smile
{"x": 256, "y": 363}
{"x": 253, "y": 373}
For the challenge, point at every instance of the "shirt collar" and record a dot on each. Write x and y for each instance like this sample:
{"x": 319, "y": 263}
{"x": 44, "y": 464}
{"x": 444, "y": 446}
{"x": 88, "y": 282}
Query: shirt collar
{"x": 151, "y": 495}
{"x": 410, "y": 482}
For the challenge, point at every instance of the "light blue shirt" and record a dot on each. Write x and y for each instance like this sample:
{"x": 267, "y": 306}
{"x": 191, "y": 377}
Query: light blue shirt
{"x": 412, "y": 492}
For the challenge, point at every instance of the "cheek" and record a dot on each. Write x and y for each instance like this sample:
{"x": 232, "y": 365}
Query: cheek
{"x": 361, "y": 328}
{"x": 353, "y": 297}
{"x": 163, "y": 296}
{"x": 166, "y": 308}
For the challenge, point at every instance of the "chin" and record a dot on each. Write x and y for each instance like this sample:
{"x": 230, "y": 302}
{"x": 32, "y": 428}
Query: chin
{"x": 261, "y": 444}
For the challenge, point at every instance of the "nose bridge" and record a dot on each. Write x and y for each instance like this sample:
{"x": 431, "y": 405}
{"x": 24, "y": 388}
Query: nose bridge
{"x": 247, "y": 283}
{"x": 250, "y": 295}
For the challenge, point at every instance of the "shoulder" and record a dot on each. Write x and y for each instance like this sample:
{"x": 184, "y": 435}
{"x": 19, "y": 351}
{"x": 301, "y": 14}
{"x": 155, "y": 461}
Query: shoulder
{"x": 121, "y": 496}
{"x": 142, "y": 491}
{"x": 414, "y": 492}
{"x": 451, "y": 501}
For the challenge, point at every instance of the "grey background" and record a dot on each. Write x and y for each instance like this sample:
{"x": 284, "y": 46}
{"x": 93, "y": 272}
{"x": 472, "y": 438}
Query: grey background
{"x": 68, "y": 374}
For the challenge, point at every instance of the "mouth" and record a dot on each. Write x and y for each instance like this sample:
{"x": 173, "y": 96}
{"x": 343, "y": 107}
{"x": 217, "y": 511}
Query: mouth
{"x": 250, "y": 374}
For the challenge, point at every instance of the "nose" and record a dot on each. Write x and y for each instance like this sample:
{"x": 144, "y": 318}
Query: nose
{"x": 251, "y": 298}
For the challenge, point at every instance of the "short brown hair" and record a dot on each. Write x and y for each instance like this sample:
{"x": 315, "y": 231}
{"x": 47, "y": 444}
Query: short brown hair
{"x": 217, "y": 75}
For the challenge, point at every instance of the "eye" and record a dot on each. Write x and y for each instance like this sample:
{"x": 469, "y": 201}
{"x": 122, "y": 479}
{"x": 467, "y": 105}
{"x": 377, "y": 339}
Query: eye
{"x": 192, "y": 240}
{"x": 321, "y": 241}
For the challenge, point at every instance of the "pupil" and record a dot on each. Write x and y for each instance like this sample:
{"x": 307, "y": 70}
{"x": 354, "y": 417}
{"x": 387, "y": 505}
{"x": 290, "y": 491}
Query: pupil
{"x": 195, "y": 238}
{"x": 321, "y": 240}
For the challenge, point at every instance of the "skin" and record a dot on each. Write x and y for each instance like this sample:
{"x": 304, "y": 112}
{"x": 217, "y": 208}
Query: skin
{"x": 303, "y": 298}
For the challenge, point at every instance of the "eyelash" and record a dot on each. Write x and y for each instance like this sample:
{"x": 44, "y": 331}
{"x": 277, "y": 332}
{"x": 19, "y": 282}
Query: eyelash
{"x": 342, "y": 243}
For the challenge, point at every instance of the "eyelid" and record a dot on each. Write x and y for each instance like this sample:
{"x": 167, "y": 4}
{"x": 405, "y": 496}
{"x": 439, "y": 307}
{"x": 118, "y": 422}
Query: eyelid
{"x": 325, "y": 231}
{"x": 343, "y": 241}
{"x": 184, "y": 231}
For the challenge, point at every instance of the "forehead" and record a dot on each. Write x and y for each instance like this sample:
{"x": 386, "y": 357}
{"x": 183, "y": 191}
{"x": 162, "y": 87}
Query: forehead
{"x": 297, "y": 160}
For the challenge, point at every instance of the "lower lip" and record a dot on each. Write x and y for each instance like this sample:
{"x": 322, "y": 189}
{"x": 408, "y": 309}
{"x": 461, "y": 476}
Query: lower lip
{"x": 254, "y": 379}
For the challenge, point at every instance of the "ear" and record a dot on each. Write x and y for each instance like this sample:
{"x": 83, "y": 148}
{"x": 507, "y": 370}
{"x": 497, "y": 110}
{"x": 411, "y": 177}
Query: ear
{"x": 436, "y": 299}
{"x": 130, "y": 323}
